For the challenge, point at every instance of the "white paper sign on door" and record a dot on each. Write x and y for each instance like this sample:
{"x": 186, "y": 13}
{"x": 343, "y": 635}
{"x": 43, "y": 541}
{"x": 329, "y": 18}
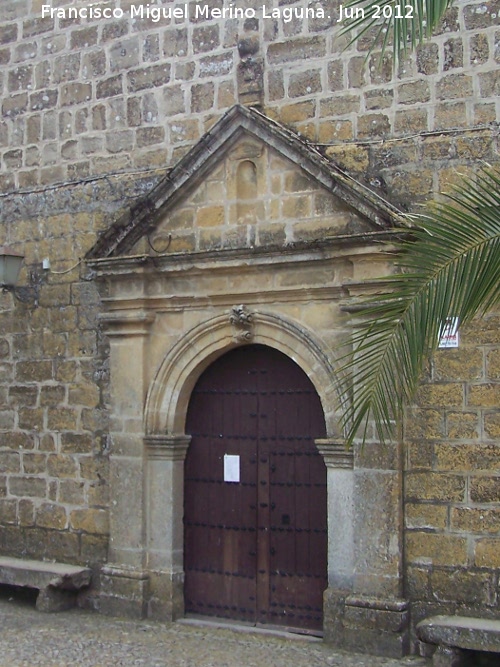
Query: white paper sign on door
{"x": 231, "y": 468}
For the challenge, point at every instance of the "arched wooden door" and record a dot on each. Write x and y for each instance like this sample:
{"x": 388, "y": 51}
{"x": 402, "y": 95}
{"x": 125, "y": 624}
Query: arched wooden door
{"x": 255, "y": 493}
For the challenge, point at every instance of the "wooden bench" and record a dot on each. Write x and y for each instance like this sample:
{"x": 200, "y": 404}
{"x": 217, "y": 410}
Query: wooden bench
{"x": 58, "y": 584}
{"x": 454, "y": 635}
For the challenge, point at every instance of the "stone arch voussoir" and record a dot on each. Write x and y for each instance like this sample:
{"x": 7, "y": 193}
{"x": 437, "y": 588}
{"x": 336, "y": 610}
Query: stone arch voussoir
{"x": 170, "y": 390}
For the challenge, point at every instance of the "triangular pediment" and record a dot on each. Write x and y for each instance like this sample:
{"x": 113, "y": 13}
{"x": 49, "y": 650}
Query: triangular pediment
{"x": 249, "y": 181}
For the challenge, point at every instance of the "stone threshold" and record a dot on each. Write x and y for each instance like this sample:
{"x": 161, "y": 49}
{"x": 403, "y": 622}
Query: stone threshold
{"x": 249, "y": 628}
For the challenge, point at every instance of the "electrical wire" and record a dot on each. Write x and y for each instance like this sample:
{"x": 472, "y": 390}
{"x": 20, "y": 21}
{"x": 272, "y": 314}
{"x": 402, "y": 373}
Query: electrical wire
{"x": 494, "y": 127}
{"x": 71, "y": 268}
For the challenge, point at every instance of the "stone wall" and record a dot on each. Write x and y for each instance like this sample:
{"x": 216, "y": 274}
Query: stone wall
{"x": 452, "y": 483}
{"x": 94, "y": 113}
{"x": 88, "y": 97}
{"x": 54, "y": 375}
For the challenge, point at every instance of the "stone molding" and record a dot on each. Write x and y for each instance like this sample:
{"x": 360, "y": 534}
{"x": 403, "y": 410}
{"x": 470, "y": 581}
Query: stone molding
{"x": 334, "y": 453}
{"x": 380, "y": 625}
{"x": 124, "y": 591}
{"x": 381, "y": 604}
{"x": 132, "y": 323}
{"x": 167, "y": 447}
{"x": 124, "y": 233}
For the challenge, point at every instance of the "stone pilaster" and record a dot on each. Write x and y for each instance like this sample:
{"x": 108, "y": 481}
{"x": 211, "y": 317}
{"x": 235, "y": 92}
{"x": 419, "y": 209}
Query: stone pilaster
{"x": 125, "y": 581}
{"x": 340, "y": 485}
{"x": 363, "y": 609}
{"x": 339, "y": 471}
{"x": 164, "y": 535}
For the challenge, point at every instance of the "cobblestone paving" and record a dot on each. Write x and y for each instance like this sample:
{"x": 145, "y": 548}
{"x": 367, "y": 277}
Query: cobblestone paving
{"x": 32, "y": 639}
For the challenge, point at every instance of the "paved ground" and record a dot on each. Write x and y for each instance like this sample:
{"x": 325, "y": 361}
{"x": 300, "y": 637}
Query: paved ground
{"x": 77, "y": 638}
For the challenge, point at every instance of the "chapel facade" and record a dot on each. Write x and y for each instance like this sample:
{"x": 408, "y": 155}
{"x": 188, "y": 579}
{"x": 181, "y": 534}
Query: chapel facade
{"x": 214, "y": 194}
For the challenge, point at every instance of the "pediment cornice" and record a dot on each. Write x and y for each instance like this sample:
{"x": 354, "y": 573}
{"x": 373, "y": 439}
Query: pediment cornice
{"x": 236, "y": 124}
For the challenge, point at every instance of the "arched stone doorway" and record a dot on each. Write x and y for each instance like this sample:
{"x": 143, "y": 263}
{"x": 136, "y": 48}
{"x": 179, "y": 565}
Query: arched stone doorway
{"x": 169, "y": 316}
{"x": 255, "y": 510}
{"x": 145, "y": 574}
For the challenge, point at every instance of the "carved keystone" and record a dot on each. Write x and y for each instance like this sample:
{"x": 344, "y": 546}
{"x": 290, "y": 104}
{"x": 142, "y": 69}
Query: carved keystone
{"x": 242, "y": 320}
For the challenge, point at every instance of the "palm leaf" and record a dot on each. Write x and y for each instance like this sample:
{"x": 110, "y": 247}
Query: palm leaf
{"x": 451, "y": 268}
{"x": 404, "y": 22}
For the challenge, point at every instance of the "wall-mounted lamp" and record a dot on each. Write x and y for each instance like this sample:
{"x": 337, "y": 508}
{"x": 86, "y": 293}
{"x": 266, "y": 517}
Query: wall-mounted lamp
{"x": 10, "y": 267}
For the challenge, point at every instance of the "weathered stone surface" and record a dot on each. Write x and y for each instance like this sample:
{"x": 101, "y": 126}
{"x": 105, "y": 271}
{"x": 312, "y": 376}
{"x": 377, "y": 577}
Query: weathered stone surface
{"x": 297, "y": 49}
{"x": 96, "y": 102}
{"x": 8, "y": 33}
{"x": 52, "y": 516}
{"x": 110, "y": 87}
{"x": 453, "y": 53}
{"x": 149, "y": 77}
{"x": 90, "y": 521}
{"x": 75, "y": 93}
{"x": 57, "y": 582}
{"x": 33, "y": 487}
{"x": 480, "y": 17}
{"x": 124, "y": 593}
{"x": 373, "y": 125}
{"x": 206, "y": 38}
{"x": 435, "y": 549}
{"x": 466, "y": 457}
{"x": 379, "y": 625}
{"x": 124, "y": 54}
{"x": 470, "y": 587}
{"x": 477, "y": 634}
{"x": 84, "y": 37}
{"x": 485, "y": 490}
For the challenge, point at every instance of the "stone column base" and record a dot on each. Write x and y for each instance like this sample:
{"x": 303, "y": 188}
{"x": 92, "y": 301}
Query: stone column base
{"x": 124, "y": 592}
{"x": 137, "y": 594}
{"x": 166, "y": 596}
{"x": 366, "y": 625}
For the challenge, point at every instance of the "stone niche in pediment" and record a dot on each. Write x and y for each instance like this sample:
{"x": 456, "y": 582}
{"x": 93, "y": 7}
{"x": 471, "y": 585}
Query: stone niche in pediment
{"x": 253, "y": 197}
{"x": 249, "y": 182}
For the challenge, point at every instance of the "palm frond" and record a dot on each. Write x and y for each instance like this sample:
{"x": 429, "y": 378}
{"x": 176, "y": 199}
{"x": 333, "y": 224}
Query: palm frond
{"x": 451, "y": 268}
{"x": 404, "y": 22}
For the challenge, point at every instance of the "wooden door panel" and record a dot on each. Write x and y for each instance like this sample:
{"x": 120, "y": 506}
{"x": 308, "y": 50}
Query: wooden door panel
{"x": 298, "y": 541}
{"x": 256, "y": 550}
{"x": 220, "y": 517}
{"x": 296, "y": 602}
{"x": 235, "y": 597}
